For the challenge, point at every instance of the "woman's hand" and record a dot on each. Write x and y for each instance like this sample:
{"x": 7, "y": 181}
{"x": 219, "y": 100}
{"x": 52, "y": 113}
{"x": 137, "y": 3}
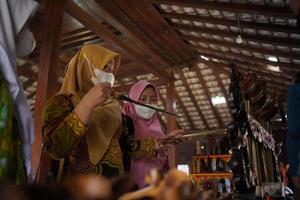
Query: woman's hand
{"x": 172, "y": 138}
{"x": 96, "y": 96}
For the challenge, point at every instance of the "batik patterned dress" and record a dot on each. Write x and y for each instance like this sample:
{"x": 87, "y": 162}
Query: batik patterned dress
{"x": 64, "y": 138}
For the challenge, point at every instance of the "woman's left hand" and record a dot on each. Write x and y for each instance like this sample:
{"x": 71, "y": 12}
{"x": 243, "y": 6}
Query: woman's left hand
{"x": 174, "y": 137}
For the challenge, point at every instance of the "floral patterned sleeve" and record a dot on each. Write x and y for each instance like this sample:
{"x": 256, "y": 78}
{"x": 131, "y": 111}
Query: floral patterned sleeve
{"x": 61, "y": 128}
{"x": 136, "y": 148}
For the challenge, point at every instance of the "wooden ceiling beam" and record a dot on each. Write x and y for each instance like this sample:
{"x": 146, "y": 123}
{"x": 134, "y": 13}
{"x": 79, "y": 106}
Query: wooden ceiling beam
{"x": 126, "y": 88}
{"x": 208, "y": 96}
{"x": 76, "y": 38}
{"x": 111, "y": 13}
{"x": 99, "y": 29}
{"x": 230, "y": 22}
{"x": 241, "y": 47}
{"x": 185, "y": 111}
{"x": 245, "y": 66}
{"x": 276, "y": 84}
{"x": 291, "y": 42}
{"x": 79, "y": 43}
{"x": 163, "y": 100}
{"x": 267, "y": 10}
{"x": 162, "y": 122}
{"x": 152, "y": 23}
{"x": 130, "y": 70}
{"x": 194, "y": 101}
{"x": 75, "y": 32}
{"x": 287, "y": 68}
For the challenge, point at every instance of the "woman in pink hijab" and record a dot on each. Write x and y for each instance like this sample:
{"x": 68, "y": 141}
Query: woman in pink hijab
{"x": 146, "y": 127}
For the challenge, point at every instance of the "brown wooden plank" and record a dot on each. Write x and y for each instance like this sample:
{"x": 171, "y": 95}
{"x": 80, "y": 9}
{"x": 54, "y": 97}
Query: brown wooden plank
{"x": 192, "y": 96}
{"x": 245, "y": 65}
{"x": 171, "y": 122}
{"x": 208, "y": 96}
{"x": 79, "y": 14}
{"x": 229, "y": 22}
{"x": 185, "y": 112}
{"x": 109, "y": 11}
{"x": 152, "y": 24}
{"x": 287, "y": 68}
{"x": 291, "y": 42}
{"x": 275, "y": 11}
{"x": 262, "y": 50}
{"x": 163, "y": 124}
{"x": 126, "y": 88}
{"x": 49, "y": 54}
{"x": 276, "y": 81}
{"x": 130, "y": 70}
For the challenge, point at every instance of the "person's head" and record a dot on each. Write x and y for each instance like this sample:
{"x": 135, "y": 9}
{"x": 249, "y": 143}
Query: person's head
{"x": 91, "y": 65}
{"x": 143, "y": 92}
{"x": 149, "y": 96}
{"x": 88, "y": 187}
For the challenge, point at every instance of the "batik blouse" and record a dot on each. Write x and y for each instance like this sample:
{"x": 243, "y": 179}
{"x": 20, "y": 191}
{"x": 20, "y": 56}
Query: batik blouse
{"x": 64, "y": 138}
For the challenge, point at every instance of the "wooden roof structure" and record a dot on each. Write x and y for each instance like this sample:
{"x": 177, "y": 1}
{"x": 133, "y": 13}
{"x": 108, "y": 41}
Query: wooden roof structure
{"x": 180, "y": 45}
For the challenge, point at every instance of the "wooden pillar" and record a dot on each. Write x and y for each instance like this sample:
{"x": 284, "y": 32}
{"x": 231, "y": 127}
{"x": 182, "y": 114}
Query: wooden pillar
{"x": 171, "y": 121}
{"x": 48, "y": 65}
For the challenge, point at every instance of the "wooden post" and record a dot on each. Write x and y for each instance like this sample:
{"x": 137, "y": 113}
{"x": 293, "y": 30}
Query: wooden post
{"x": 47, "y": 80}
{"x": 171, "y": 121}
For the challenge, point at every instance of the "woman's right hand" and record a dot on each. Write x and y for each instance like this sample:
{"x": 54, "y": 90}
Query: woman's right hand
{"x": 96, "y": 96}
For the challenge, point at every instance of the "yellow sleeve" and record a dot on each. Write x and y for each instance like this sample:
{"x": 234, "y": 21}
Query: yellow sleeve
{"x": 61, "y": 128}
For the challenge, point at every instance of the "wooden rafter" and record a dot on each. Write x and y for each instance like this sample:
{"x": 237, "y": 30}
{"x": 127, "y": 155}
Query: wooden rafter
{"x": 222, "y": 86}
{"x": 229, "y": 22}
{"x": 163, "y": 100}
{"x": 76, "y": 37}
{"x": 288, "y": 68}
{"x": 224, "y": 43}
{"x": 276, "y": 84}
{"x": 243, "y": 64}
{"x": 112, "y": 14}
{"x": 162, "y": 121}
{"x": 150, "y": 22}
{"x": 83, "y": 17}
{"x": 185, "y": 111}
{"x": 248, "y": 67}
{"x": 283, "y": 11}
{"x": 129, "y": 70}
{"x": 49, "y": 58}
{"x": 291, "y": 42}
{"x": 208, "y": 96}
{"x": 192, "y": 96}
{"x": 126, "y": 88}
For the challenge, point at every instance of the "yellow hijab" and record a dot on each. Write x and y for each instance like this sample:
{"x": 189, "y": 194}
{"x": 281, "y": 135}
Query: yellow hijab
{"x": 106, "y": 119}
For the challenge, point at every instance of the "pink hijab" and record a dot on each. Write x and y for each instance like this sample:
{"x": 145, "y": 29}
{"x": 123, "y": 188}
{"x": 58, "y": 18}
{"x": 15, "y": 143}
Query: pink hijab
{"x": 144, "y": 129}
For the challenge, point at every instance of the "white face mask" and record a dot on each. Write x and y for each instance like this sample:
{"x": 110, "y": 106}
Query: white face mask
{"x": 143, "y": 111}
{"x": 25, "y": 42}
{"x": 100, "y": 76}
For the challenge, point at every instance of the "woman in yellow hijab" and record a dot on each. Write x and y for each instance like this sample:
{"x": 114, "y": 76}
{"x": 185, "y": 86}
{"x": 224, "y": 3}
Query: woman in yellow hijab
{"x": 80, "y": 122}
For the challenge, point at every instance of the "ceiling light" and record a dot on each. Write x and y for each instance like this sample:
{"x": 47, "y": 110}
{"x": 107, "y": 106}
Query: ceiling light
{"x": 239, "y": 39}
{"x": 272, "y": 58}
{"x": 204, "y": 57}
{"x": 218, "y": 100}
{"x": 273, "y": 68}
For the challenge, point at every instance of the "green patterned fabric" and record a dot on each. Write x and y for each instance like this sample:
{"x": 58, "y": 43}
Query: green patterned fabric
{"x": 11, "y": 165}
